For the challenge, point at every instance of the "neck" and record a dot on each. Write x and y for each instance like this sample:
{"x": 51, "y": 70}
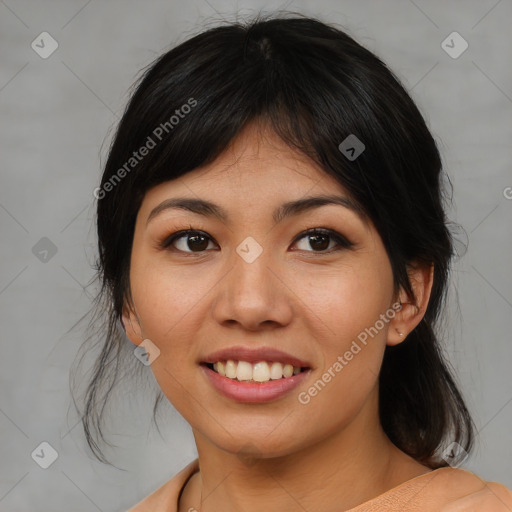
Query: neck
{"x": 339, "y": 472}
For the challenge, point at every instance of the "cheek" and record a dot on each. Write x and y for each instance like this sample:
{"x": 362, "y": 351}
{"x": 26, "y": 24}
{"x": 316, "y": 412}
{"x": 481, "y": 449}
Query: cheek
{"x": 169, "y": 305}
{"x": 351, "y": 358}
{"x": 166, "y": 296}
{"x": 348, "y": 306}
{"x": 349, "y": 299}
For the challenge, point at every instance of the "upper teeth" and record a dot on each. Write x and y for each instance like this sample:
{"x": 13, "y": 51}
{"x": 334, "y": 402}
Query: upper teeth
{"x": 259, "y": 372}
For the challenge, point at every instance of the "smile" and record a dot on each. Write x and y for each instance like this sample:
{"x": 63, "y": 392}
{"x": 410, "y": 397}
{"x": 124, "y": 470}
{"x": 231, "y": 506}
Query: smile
{"x": 251, "y": 390}
{"x": 262, "y": 371}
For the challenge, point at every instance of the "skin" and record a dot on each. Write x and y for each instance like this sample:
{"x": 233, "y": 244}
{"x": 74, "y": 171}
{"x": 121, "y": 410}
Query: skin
{"x": 306, "y": 301}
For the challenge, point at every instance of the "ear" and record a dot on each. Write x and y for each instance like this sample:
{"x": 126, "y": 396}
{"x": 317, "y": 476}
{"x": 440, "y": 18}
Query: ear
{"x": 413, "y": 309}
{"x": 131, "y": 325}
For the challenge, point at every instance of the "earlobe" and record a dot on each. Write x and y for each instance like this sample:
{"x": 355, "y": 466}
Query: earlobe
{"x": 134, "y": 335}
{"x": 413, "y": 309}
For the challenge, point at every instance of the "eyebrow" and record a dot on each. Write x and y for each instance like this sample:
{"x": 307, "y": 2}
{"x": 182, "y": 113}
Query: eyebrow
{"x": 288, "y": 209}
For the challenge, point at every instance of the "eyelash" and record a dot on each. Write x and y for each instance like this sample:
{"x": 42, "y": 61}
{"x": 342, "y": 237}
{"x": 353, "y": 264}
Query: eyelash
{"x": 341, "y": 241}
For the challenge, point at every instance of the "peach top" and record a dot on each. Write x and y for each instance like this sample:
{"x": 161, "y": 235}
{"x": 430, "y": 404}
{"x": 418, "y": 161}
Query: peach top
{"x": 441, "y": 489}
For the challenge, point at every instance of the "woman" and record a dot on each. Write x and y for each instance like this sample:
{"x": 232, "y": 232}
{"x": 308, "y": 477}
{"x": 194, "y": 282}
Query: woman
{"x": 272, "y": 238}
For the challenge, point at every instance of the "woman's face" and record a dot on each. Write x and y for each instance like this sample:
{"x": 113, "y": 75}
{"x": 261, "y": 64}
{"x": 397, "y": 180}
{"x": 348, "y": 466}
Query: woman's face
{"x": 254, "y": 282}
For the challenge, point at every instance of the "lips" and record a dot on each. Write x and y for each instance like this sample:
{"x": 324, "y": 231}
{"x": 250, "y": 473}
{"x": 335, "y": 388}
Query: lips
{"x": 249, "y": 391}
{"x": 253, "y": 392}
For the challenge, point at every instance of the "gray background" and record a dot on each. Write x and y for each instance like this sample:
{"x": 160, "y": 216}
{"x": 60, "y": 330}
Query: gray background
{"x": 57, "y": 118}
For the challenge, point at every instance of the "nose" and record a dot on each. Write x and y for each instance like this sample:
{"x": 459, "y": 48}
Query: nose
{"x": 253, "y": 295}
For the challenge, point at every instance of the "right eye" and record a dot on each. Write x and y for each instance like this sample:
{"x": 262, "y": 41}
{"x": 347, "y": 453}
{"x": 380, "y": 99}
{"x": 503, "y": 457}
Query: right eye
{"x": 196, "y": 241}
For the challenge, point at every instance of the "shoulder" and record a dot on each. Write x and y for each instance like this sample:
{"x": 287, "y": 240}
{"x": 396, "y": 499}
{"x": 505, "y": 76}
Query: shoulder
{"x": 459, "y": 490}
{"x": 166, "y": 497}
{"x": 443, "y": 490}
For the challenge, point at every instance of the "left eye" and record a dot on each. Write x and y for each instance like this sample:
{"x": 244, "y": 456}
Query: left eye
{"x": 319, "y": 239}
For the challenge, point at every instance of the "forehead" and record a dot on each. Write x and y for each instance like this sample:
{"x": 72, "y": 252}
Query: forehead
{"x": 257, "y": 165}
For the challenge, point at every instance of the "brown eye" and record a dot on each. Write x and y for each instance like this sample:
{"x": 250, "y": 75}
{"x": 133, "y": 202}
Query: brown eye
{"x": 188, "y": 241}
{"x": 320, "y": 240}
